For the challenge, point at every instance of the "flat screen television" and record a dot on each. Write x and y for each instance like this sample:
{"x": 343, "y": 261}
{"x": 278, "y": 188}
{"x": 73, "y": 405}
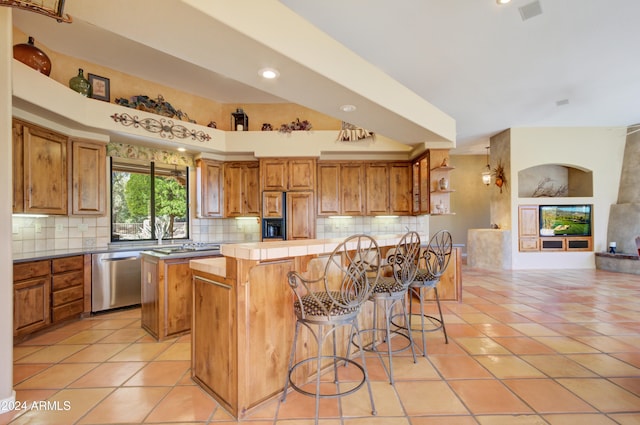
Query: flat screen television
{"x": 565, "y": 220}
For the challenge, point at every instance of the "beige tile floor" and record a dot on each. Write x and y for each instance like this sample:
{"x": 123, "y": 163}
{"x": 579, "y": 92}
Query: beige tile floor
{"x": 527, "y": 347}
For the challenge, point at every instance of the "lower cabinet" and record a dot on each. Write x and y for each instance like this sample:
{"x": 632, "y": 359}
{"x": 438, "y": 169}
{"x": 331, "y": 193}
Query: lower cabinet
{"x": 67, "y": 287}
{"x": 46, "y": 292}
{"x": 166, "y": 296}
{"x": 31, "y": 293}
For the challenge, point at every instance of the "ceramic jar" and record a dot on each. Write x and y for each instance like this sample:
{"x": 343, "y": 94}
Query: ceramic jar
{"x": 30, "y": 55}
{"x": 443, "y": 184}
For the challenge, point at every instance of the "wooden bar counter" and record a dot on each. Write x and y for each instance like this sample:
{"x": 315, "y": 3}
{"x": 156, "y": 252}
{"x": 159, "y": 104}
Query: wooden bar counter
{"x": 243, "y": 320}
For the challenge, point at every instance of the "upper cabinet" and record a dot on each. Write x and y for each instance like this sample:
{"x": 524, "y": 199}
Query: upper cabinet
{"x": 388, "y": 188}
{"x": 420, "y": 187}
{"x": 209, "y": 180}
{"x": 286, "y": 175}
{"x": 241, "y": 190}
{"x": 88, "y": 178}
{"x": 341, "y": 188}
{"x": 40, "y": 170}
{"x": 43, "y": 183}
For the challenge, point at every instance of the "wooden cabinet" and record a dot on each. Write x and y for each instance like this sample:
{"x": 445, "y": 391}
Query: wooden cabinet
{"x": 31, "y": 296}
{"x": 48, "y": 291}
{"x": 301, "y": 218}
{"x": 388, "y": 188}
{"x": 209, "y": 183}
{"x": 215, "y": 339}
{"x": 44, "y": 184}
{"x": 272, "y": 204}
{"x": 341, "y": 189}
{"x": 529, "y": 240}
{"x": 88, "y": 178}
{"x": 421, "y": 187}
{"x": 67, "y": 287}
{"x": 166, "y": 302}
{"x": 528, "y": 224}
{"x": 291, "y": 174}
{"x": 450, "y": 286}
{"x": 241, "y": 189}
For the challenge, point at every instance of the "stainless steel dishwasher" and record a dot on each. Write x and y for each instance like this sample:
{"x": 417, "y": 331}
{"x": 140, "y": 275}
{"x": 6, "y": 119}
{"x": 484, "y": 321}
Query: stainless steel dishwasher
{"x": 115, "y": 280}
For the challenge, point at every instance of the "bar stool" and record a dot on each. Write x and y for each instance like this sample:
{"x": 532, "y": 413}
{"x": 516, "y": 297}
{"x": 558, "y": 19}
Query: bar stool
{"x": 391, "y": 291}
{"x": 435, "y": 258}
{"x": 331, "y": 301}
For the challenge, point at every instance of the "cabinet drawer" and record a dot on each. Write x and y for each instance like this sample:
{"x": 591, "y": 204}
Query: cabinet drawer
{"x": 67, "y": 295}
{"x": 62, "y": 281}
{"x": 67, "y": 264}
{"x": 529, "y": 244}
{"x": 68, "y": 310}
{"x": 22, "y": 271}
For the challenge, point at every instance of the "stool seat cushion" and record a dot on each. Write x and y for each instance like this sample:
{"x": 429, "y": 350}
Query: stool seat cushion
{"x": 387, "y": 285}
{"x": 424, "y": 278}
{"x": 313, "y": 305}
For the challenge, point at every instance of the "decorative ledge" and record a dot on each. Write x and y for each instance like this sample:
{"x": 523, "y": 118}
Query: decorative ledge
{"x": 619, "y": 256}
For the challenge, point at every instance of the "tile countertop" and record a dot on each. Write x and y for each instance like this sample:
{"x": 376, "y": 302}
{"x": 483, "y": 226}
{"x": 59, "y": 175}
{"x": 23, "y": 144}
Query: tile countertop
{"x": 284, "y": 249}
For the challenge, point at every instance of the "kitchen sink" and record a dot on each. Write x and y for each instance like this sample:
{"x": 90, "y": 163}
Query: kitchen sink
{"x": 191, "y": 247}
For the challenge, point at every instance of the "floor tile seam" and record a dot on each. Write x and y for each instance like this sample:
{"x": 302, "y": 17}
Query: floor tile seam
{"x": 581, "y": 398}
{"x": 97, "y": 403}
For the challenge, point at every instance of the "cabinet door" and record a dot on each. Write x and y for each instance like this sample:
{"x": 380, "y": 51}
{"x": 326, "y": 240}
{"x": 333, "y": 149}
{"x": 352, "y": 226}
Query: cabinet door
{"x": 233, "y": 190}
{"x": 528, "y": 224}
{"x": 425, "y": 186}
{"x": 274, "y": 174}
{"x": 45, "y": 171}
{"x": 213, "y": 362}
{"x": 400, "y": 189}
{"x": 210, "y": 182}
{"x": 31, "y": 305}
{"x": 301, "y": 219}
{"x": 302, "y": 174}
{"x": 377, "y": 189}
{"x": 18, "y": 168}
{"x": 328, "y": 189}
{"x": 272, "y": 204}
{"x": 177, "y": 297}
{"x": 352, "y": 183}
{"x": 251, "y": 189}
{"x": 88, "y": 178}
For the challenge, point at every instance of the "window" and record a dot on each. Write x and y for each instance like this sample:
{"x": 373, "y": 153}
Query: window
{"x": 148, "y": 201}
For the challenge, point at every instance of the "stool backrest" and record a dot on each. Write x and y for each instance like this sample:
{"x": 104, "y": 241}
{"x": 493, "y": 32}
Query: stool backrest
{"x": 357, "y": 261}
{"x": 438, "y": 253}
{"x": 404, "y": 258}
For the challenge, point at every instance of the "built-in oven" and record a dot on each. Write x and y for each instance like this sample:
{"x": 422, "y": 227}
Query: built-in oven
{"x": 273, "y": 228}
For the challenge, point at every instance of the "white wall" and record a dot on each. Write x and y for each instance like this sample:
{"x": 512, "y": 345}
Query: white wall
{"x": 599, "y": 149}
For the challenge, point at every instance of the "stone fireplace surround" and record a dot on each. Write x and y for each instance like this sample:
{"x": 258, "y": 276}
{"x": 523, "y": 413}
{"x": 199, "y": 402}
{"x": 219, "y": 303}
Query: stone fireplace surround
{"x": 624, "y": 216}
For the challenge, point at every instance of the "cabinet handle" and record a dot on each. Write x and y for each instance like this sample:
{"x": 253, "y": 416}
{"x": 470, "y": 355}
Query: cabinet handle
{"x": 213, "y": 282}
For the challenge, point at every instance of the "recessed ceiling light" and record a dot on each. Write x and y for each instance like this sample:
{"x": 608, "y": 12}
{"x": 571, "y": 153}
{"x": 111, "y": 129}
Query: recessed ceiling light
{"x": 348, "y": 108}
{"x": 182, "y": 150}
{"x": 503, "y": 1}
{"x": 269, "y": 73}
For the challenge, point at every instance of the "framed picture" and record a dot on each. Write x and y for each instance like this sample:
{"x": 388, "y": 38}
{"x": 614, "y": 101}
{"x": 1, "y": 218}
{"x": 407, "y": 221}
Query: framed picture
{"x": 100, "y": 87}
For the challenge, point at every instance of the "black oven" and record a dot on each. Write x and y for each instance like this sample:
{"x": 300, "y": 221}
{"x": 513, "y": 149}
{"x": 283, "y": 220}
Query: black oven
{"x": 273, "y": 228}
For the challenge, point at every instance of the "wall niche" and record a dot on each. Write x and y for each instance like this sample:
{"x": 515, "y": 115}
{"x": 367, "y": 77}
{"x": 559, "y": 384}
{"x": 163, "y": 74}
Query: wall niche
{"x": 555, "y": 180}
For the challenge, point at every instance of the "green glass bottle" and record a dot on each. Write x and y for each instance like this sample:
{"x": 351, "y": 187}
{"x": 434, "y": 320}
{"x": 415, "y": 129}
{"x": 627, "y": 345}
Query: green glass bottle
{"x": 80, "y": 84}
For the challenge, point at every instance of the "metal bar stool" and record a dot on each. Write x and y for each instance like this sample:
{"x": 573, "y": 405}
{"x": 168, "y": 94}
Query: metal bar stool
{"x": 436, "y": 258}
{"x": 391, "y": 291}
{"x": 324, "y": 304}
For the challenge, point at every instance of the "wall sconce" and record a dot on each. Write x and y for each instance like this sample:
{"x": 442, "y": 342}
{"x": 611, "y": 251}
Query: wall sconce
{"x": 486, "y": 174}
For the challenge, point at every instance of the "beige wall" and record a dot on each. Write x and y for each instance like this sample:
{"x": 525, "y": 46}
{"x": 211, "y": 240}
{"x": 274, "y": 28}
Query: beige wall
{"x": 598, "y": 149}
{"x": 198, "y": 108}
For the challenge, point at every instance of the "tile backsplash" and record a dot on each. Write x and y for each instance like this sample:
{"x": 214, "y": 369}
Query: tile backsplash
{"x": 32, "y": 234}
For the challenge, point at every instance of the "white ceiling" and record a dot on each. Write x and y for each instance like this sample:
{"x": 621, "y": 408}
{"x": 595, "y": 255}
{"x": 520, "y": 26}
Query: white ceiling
{"x": 477, "y": 62}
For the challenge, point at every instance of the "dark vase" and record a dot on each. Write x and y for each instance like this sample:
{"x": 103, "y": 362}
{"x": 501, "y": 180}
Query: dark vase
{"x": 30, "y": 55}
{"x": 80, "y": 84}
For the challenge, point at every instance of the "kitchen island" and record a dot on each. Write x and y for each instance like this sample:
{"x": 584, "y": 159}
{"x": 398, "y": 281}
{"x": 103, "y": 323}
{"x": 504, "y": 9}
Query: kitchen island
{"x": 243, "y": 320}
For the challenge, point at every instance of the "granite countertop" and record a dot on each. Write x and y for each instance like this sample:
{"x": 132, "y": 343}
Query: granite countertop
{"x": 57, "y": 253}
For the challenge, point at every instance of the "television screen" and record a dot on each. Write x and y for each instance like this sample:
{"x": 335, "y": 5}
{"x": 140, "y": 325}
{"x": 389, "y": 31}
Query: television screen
{"x": 565, "y": 220}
